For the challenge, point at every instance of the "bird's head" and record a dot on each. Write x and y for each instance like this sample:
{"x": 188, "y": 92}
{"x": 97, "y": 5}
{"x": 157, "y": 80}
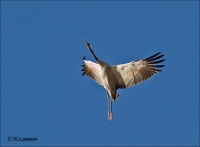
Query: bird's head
{"x": 88, "y": 45}
{"x": 90, "y": 49}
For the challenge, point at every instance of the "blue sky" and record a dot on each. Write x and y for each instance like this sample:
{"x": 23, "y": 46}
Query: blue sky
{"x": 43, "y": 94}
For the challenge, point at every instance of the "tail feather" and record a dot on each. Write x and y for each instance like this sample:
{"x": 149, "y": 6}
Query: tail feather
{"x": 116, "y": 96}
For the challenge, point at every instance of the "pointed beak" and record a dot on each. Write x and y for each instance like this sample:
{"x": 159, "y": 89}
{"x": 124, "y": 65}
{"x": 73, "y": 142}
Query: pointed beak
{"x": 87, "y": 44}
{"x": 90, "y": 49}
{"x": 85, "y": 41}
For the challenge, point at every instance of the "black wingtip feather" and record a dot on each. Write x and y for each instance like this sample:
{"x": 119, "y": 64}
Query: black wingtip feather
{"x": 153, "y": 56}
{"x": 153, "y": 62}
{"x": 156, "y": 62}
{"x": 84, "y": 73}
{"x": 155, "y": 69}
{"x": 157, "y": 66}
{"x": 83, "y": 69}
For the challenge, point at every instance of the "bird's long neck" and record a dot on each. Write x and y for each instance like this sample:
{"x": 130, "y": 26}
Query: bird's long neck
{"x": 102, "y": 63}
{"x": 94, "y": 55}
{"x": 90, "y": 48}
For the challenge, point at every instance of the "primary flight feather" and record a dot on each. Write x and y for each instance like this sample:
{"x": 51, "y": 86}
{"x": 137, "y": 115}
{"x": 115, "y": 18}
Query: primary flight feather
{"x": 120, "y": 76}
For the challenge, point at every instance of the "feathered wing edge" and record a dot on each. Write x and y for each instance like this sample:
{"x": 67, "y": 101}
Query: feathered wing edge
{"x": 153, "y": 62}
{"x": 137, "y": 71}
{"x": 92, "y": 70}
{"x": 144, "y": 70}
{"x": 151, "y": 68}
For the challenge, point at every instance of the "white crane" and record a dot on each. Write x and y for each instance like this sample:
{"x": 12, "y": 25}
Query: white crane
{"x": 120, "y": 76}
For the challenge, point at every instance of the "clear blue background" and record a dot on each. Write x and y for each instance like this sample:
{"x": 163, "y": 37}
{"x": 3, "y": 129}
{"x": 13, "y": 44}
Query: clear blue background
{"x": 43, "y": 94}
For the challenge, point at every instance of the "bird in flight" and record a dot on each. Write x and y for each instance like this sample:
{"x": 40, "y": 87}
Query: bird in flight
{"x": 120, "y": 76}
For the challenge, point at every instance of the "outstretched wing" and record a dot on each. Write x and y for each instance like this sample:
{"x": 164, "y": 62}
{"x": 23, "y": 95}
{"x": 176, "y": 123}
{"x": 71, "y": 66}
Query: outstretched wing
{"x": 92, "y": 70}
{"x": 135, "y": 72}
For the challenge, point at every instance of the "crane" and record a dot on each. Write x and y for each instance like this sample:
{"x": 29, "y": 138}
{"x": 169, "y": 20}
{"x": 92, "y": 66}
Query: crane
{"x": 120, "y": 76}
